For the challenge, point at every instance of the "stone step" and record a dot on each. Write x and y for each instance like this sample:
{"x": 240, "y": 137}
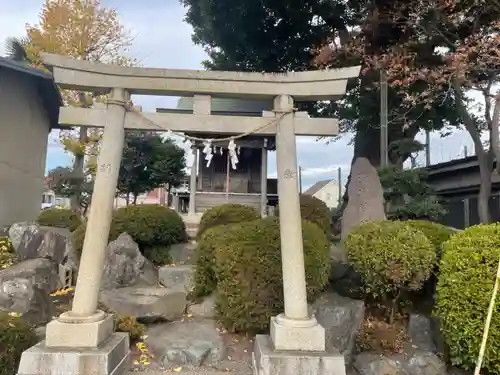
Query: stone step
{"x": 201, "y": 372}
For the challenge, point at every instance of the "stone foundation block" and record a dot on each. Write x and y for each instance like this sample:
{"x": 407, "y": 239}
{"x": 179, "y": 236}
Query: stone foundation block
{"x": 268, "y": 361}
{"x": 81, "y": 335}
{"x": 111, "y": 358}
{"x": 289, "y": 337}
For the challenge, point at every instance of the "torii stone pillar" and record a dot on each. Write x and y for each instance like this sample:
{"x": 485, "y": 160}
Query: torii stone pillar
{"x": 295, "y": 329}
{"x": 78, "y": 333}
{"x": 263, "y": 183}
{"x": 192, "y": 183}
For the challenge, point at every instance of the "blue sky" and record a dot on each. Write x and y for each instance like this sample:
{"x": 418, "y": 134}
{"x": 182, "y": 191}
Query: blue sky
{"x": 163, "y": 40}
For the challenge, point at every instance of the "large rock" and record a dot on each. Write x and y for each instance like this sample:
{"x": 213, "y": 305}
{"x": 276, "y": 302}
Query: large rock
{"x": 341, "y": 317}
{"x": 189, "y": 342}
{"x": 424, "y": 332}
{"x": 183, "y": 253}
{"x": 42, "y": 273}
{"x": 366, "y": 197}
{"x": 21, "y": 296}
{"x": 343, "y": 279}
{"x": 126, "y": 266}
{"x": 456, "y": 371}
{"x": 146, "y": 304}
{"x": 205, "y": 309}
{"x": 177, "y": 277}
{"x": 415, "y": 363}
{"x": 32, "y": 241}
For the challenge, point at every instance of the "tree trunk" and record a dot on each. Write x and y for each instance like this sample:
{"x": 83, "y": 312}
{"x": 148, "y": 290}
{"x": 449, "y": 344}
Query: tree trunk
{"x": 485, "y": 158}
{"x": 128, "y": 198}
{"x": 78, "y": 170}
{"x": 135, "y": 198}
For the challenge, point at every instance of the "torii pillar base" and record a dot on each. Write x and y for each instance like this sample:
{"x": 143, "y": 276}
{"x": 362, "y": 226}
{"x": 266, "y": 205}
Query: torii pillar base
{"x": 269, "y": 361}
{"x": 109, "y": 358}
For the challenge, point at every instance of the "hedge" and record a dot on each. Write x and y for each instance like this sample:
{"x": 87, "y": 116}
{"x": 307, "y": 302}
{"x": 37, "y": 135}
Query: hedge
{"x": 59, "y": 218}
{"x": 150, "y": 225}
{"x": 226, "y": 214}
{"x": 392, "y": 257}
{"x": 249, "y": 272}
{"x": 465, "y": 284}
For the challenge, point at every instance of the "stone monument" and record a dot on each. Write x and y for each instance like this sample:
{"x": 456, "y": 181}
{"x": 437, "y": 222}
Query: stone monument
{"x": 366, "y": 197}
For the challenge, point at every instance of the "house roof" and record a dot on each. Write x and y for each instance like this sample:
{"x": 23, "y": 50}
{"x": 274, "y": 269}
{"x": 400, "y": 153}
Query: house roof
{"x": 230, "y": 106}
{"x": 45, "y": 85}
{"x": 317, "y": 187}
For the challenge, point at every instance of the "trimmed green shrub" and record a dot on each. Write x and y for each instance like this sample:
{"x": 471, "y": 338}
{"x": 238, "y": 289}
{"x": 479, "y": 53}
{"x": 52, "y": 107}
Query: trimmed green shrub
{"x": 249, "y": 272}
{"x": 59, "y": 218}
{"x": 8, "y": 255}
{"x": 226, "y": 214}
{"x": 205, "y": 279}
{"x": 465, "y": 284}
{"x": 315, "y": 210}
{"x": 391, "y": 257}
{"x": 150, "y": 225}
{"x": 158, "y": 255}
{"x": 435, "y": 232}
{"x": 16, "y": 336}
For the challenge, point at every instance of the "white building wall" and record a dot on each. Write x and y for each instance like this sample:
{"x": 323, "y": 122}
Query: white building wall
{"x": 329, "y": 194}
{"x": 24, "y": 130}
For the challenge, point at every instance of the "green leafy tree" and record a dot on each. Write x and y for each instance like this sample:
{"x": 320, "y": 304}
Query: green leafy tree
{"x": 446, "y": 49}
{"x": 408, "y": 194}
{"x": 84, "y": 30}
{"x": 284, "y": 35}
{"x": 149, "y": 162}
{"x": 65, "y": 183}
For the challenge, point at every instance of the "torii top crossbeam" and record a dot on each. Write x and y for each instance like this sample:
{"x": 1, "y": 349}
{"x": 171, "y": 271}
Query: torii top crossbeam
{"x": 98, "y": 77}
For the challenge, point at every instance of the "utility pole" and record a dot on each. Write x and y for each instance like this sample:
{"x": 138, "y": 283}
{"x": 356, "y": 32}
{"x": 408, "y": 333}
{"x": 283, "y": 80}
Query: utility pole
{"x": 384, "y": 139}
{"x": 300, "y": 179}
{"x": 340, "y": 185}
{"x": 466, "y": 153}
{"x": 427, "y": 148}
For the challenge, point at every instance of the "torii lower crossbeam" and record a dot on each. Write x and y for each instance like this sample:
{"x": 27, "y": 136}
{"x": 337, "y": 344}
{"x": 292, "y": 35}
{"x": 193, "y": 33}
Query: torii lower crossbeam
{"x": 189, "y": 123}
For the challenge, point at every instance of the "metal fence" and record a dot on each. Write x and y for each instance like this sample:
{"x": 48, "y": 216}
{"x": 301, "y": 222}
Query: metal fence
{"x": 463, "y": 212}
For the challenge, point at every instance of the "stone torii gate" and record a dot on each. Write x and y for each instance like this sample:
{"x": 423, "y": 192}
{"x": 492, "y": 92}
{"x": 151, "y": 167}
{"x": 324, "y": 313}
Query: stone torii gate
{"x": 83, "y": 337}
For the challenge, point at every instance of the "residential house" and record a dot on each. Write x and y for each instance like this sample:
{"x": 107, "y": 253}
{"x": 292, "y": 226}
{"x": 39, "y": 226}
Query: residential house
{"x": 327, "y": 190}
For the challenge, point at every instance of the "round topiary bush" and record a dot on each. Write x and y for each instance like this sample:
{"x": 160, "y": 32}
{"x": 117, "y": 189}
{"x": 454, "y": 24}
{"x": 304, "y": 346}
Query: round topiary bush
{"x": 249, "y": 272}
{"x": 205, "y": 279}
{"x": 226, "y": 214}
{"x": 59, "y": 218}
{"x": 150, "y": 225}
{"x": 16, "y": 336}
{"x": 435, "y": 232}
{"x": 465, "y": 284}
{"x": 315, "y": 210}
{"x": 158, "y": 255}
{"x": 391, "y": 257}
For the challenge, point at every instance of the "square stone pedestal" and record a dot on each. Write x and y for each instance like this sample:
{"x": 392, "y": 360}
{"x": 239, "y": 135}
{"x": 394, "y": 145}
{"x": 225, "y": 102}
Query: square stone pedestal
{"x": 110, "y": 358}
{"x": 60, "y": 334}
{"x": 268, "y": 361}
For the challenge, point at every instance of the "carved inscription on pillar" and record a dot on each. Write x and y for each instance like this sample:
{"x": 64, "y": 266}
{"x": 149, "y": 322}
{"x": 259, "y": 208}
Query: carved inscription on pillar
{"x": 105, "y": 168}
{"x": 289, "y": 175}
